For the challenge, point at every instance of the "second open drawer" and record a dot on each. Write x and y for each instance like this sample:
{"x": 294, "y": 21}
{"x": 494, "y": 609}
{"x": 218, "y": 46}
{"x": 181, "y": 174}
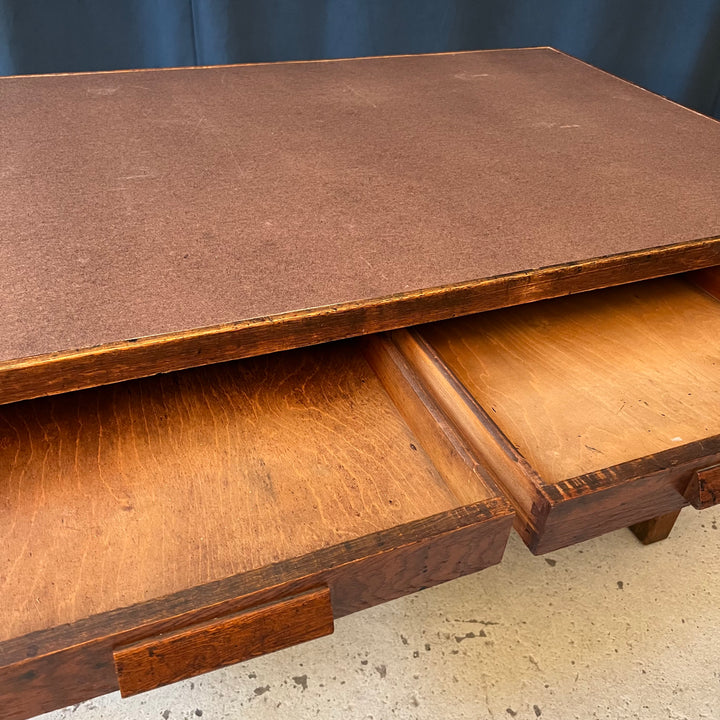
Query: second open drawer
{"x": 596, "y": 411}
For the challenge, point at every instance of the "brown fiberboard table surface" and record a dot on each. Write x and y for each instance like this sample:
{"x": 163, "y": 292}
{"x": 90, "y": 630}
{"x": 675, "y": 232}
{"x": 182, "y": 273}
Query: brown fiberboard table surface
{"x": 155, "y": 220}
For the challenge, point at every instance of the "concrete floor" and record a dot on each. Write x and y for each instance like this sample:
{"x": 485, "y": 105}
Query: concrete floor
{"x": 608, "y": 629}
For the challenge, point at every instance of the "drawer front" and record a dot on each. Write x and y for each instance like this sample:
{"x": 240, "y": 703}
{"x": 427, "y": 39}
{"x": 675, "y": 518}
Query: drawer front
{"x": 191, "y": 651}
{"x": 595, "y": 411}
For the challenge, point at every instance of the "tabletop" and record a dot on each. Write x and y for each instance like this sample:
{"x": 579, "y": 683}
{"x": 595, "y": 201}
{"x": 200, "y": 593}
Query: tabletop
{"x": 158, "y": 219}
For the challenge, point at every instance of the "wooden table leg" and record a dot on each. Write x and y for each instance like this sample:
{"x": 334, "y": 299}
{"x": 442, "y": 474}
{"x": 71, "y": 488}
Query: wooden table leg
{"x": 655, "y": 529}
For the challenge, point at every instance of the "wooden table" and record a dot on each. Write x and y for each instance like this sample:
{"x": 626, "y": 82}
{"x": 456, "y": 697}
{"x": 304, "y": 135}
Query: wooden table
{"x": 188, "y": 483}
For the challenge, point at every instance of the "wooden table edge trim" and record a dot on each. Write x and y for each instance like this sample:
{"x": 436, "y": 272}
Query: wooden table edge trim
{"x": 53, "y": 373}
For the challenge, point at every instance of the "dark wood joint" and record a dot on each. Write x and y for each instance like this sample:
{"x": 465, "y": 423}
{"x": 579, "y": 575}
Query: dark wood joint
{"x": 197, "y": 649}
{"x": 704, "y": 488}
{"x": 707, "y": 279}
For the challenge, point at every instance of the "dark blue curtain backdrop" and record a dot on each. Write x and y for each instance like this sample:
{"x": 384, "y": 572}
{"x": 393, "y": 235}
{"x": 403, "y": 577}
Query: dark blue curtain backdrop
{"x": 669, "y": 46}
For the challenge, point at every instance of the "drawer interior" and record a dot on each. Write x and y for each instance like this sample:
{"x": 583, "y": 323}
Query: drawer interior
{"x": 593, "y": 380}
{"x": 594, "y": 409}
{"x": 115, "y": 495}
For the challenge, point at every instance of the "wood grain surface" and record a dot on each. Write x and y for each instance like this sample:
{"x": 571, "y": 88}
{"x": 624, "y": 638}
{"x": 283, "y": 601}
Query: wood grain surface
{"x": 216, "y": 643}
{"x": 154, "y": 220}
{"x": 592, "y": 381}
{"x": 117, "y": 495}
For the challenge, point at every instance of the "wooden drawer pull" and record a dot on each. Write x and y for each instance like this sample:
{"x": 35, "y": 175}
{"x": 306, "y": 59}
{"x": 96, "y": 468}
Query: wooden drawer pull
{"x": 704, "y": 489}
{"x": 200, "y": 648}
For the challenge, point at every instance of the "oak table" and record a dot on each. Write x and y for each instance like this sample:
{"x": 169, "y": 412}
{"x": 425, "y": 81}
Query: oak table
{"x": 281, "y": 342}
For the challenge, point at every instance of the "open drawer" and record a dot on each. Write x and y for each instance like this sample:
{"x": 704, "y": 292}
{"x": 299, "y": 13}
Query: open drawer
{"x": 595, "y": 411}
{"x": 159, "y": 528}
